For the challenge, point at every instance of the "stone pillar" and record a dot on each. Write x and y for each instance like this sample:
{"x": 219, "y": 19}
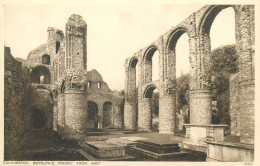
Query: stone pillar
{"x": 61, "y": 110}
{"x": 147, "y": 65}
{"x": 100, "y": 116}
{"x": 200, "y": 91}
{"x": 144, "y": 114}
{"x": 130, "y": 110}
{"x": 117, "y": 117}
{"x": 200, "y": 104}
{"x": 130, "y": 115}
{"x": 75, "y": 113}
{"x": 55, "y": 115}
{"x": 246, "y": 52}
{"x": 167, "y": 114}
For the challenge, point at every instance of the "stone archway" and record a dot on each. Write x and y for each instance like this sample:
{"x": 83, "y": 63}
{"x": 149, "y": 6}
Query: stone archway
{"x": 107, "y": 115}
{"x": 92, "y": 119}
{"x": 46, "y": 59}
{"x": 38, "y": 118}
{"x": 145, "y": 114}
{"x": 38, "y": 72}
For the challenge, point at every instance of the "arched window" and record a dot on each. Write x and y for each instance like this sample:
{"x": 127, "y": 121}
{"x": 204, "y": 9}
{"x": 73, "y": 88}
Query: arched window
{"x": 41, "y": 72}
{"x": 38, "y": 118}
{"x": 57, "y": 47}
{"x": 99, "y": 85}
{"x": 151, "y": 64}
{"x": 46, "y": 59}
{"x": 89, "y": 84}
{"x": 92, "y": 115}
{"x": 108, "y": 114}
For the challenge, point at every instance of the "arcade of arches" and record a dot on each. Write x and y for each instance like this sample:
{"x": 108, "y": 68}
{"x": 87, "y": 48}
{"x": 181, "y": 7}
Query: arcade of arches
{"x": 197, "y": 26}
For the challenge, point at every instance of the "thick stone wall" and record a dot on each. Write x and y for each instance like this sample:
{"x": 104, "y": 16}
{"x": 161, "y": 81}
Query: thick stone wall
{"x": 55, "y": 116}
{"x": 234, "y": 105}
{"x": 40, "y": 99}
{"x": 118, "y": 117}
{"x": 16, "y": 101}
{"x": 61, "y": 110}
{"x": 247, "y": 113}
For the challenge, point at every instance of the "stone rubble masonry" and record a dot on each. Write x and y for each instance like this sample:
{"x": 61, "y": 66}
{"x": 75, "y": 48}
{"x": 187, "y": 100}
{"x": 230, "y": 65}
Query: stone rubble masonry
{"x": 234, "y": 105}
{"x": 200, "y": 100}
{"x": 16, "y": 101}
{"x": 167, "y": 115}
{"x": 144, "y": 114}
{"x": 75, "y": 111}
{"x": 197, "y": 26}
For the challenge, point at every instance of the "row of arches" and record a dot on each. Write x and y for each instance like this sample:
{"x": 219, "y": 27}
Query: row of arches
{"x": 178, "y": 47}
{"x": 197, "y": 59}
{"x": 94, "y": 119}
{"x": 39, "y": 119}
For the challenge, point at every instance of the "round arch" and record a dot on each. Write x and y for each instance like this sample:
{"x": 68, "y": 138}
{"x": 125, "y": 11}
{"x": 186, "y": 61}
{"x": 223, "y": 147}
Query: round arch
{"x": 92, "y": 119}
{"x": 151, "y": 64}
{"x": 46, "y": 59}
{"x": 148, "y": 92}
{"x": 107, "y": 114}
{"x": 174, "y": 37}
{"x": 148, "y": 54}
{"x": 38, "y": 118}
{"x": 209, "y": 16}
{"x": 39, "y": 71}
{"x": 133, "y": 62}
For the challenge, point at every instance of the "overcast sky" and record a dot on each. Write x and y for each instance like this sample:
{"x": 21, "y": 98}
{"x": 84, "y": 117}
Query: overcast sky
{"x": 115, "y": 31}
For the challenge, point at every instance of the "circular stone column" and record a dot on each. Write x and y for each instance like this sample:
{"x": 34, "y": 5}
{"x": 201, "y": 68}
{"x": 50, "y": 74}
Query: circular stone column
{"x": 130, "y": 112}
{"x": 144, "y": 114}
{"x": 200, "y": 105}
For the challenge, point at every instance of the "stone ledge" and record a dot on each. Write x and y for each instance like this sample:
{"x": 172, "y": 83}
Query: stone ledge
{"x": 92, "y": 158}
{"x": 229, "y": 152}
{"x": 193, "y": 147}
{"x": 148, "y": 155}
{"x": 209, "y": 125}
{"x": 233, "y": 145}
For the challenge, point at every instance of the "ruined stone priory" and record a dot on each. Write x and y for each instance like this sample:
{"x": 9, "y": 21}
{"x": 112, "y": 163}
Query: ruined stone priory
{"x": 55, "y": 91}
{"x": 70, "y": 98}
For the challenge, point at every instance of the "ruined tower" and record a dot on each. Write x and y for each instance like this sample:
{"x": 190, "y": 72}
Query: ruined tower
{"x": 74, "y": 83}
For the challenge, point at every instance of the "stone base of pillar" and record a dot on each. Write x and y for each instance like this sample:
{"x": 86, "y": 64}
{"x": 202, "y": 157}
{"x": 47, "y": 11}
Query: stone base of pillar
{"x": 167, "y": 114}
{"x": 197, "y": 135}
{"x": 144, "y": 130}
{"x": 130, "y": 113}
{"x": 144, "y": 114}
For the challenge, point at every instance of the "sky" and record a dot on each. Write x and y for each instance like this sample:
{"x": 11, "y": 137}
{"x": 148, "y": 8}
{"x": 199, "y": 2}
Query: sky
{"x": 115, "y": 31}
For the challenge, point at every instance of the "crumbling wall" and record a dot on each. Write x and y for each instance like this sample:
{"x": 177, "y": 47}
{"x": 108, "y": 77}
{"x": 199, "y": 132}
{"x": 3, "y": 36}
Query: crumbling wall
{"x": 102, "y": 94}
{"x": 16, "y": 100}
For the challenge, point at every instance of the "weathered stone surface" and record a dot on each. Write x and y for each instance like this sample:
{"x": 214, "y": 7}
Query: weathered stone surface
{"x": 196, "y": 136}
{"x": 229, "y": 152}
{"x": 16, "y": 103}
{"x": 104, "y": 149}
